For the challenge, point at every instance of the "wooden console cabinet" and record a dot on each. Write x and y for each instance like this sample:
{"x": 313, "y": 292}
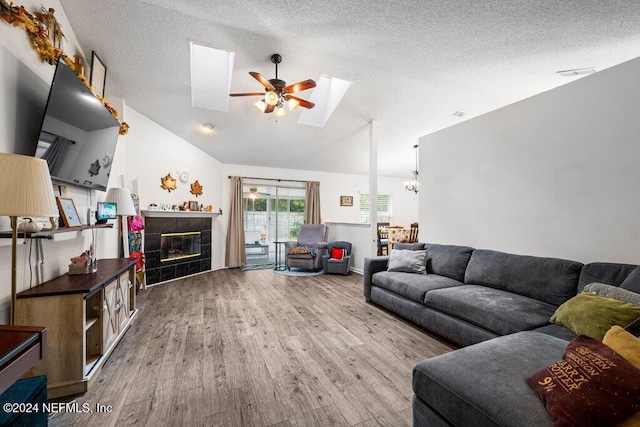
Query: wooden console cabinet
{"x": 85, "y": 316}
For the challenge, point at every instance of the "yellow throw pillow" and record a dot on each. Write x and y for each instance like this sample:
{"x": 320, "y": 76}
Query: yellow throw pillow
{"x": 627, "y": 346}
{"x": 623, "y": 343}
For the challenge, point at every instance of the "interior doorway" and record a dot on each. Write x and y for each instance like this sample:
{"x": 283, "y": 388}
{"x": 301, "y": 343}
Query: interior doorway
{"x": 272, "y": 213}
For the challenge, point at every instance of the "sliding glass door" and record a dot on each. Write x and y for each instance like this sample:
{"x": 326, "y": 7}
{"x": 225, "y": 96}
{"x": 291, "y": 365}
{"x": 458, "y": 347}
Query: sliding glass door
{"x": 271, "y": 213}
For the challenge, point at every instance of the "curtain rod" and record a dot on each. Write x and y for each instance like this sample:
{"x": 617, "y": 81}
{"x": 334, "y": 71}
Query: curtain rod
{"x": 270, "y": 179}
{"x": 53, "y": 134}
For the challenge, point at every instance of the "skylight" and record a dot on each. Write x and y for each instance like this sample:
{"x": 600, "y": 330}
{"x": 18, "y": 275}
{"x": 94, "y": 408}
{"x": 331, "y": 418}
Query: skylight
{"x": 327, "y": 95}
{"x": 210, "y": 77}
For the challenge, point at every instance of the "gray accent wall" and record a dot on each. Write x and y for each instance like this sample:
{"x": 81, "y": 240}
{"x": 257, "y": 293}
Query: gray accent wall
{"x": 553, "y": 175}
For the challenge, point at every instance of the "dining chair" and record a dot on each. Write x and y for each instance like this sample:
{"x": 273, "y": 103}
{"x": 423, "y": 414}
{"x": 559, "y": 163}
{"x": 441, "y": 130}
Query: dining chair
{"x": 383, "y": 238}
{"x": 413, "y": 233}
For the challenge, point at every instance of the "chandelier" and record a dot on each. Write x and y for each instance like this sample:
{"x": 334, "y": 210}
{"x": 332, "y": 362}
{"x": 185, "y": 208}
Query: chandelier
{"x": 413, "y": 184}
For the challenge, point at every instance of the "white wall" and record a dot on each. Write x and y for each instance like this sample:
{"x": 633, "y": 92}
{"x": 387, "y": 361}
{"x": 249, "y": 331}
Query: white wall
{"x": 153, "y": 152}
{"x": 553, "y": 175}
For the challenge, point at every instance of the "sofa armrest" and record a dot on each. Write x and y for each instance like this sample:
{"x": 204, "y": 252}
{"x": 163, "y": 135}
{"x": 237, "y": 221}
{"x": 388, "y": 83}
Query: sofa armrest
{"x": 372, "y": 266}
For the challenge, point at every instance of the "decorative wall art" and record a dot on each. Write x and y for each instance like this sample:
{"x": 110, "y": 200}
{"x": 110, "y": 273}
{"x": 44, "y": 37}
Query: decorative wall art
{"x": 98, "y": 77}
{"x": 196, "y": 189}
{"x": 68, "y": 212}
{"x": 183, "y": 175}
{"x": 53, "y": 29}
{"x": 94, "y": 169}
{"x": 346, "y": 200}
{"x": 48, "y": 45}
{"x": 106, "y": 160}
{"x": 168, "y": 183}
{"x": 194, "y": 206}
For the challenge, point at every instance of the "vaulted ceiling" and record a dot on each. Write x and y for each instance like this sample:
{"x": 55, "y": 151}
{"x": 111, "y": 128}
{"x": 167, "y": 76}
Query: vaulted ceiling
{"x": 412, "y": 64}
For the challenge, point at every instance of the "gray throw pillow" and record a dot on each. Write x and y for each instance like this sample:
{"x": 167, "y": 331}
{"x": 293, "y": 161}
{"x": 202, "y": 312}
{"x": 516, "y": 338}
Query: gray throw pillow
{"x": 613, "y": 292}
{"x": 408, "y": 261}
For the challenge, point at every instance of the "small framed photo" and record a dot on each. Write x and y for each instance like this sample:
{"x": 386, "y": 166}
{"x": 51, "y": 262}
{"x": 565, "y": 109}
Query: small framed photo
{"x": 68, "y": 212}
{"x": 98, "y": 77}
{"x": 194, "y": 206}
{"x": 346, "y": 200}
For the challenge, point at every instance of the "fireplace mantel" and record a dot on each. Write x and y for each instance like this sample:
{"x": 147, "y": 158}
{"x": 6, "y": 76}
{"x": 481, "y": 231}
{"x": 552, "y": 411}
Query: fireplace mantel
{"x": 178, "y": 214}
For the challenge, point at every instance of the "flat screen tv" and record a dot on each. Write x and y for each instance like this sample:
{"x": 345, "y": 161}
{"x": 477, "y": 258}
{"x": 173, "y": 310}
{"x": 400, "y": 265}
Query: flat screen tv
{"x": 78, "y": 134}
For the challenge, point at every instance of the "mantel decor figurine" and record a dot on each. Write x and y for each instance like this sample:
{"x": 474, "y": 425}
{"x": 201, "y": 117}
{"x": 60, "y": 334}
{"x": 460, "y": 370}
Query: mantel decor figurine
{"x": 84, "y": 264}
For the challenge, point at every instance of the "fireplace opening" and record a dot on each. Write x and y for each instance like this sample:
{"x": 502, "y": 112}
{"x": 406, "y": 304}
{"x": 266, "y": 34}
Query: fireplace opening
{"x": 175, "y": 246}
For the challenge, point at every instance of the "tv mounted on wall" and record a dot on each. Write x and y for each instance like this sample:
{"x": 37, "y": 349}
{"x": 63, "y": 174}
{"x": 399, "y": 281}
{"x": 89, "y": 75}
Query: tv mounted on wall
{"x": 78, "y": 135}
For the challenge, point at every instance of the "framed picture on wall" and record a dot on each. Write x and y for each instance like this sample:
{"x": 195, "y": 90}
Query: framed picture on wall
{"x": 346, "y": 200}
{"x": 68, "y": 212}
{"x": 98, "y": 77}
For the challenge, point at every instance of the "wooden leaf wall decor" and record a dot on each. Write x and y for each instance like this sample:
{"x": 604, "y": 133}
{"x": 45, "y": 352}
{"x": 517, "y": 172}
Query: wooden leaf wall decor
{"x": 196, "y": 189}
{"x": 168, "y": 183}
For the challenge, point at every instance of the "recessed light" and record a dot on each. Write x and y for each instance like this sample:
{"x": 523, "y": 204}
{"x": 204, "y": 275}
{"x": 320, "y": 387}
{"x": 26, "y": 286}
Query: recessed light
{"x": 207, "y": 126}
{"x": 577, "y": 72}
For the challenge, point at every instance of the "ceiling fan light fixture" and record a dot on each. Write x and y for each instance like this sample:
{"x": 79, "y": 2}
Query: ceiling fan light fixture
{"x": 279, "y": 111}
{"x": 260, "y": 105}
{"x": 293, "y": 104}
{"x": 272, "y": 98}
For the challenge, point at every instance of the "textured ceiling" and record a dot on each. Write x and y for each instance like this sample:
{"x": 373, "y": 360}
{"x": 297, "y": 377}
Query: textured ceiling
{"x": 412, "y": 64}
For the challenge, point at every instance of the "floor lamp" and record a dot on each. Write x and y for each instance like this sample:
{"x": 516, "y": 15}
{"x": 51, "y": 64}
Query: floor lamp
{"x": 25, "y": 190}
{"x": 124, "y": 207}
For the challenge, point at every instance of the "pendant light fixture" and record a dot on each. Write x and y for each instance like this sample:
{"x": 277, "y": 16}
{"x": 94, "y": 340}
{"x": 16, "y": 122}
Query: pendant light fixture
{"x": 413, "y": 184}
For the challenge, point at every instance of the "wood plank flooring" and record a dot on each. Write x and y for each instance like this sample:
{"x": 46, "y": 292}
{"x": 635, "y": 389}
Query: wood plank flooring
{"x": 254, "y": 348}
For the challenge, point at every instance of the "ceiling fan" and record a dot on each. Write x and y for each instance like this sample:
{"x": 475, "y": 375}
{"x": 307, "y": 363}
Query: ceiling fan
{"x": 277, "y": 92}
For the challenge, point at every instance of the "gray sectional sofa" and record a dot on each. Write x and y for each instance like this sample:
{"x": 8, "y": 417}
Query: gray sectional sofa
{"x": 497, "y": 306}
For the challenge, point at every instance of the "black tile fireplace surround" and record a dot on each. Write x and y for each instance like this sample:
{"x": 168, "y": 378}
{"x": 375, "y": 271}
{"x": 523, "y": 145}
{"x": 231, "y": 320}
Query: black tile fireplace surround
{"x": 161, "y": 271}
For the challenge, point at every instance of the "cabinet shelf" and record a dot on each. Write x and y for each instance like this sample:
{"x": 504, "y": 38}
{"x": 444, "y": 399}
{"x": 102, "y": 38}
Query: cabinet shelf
{"x": 90, "y": 322}
{"x": 48, "y": 234}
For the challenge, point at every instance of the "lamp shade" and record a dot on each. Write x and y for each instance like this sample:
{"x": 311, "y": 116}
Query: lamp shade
{"x": 25, "y": 187}
{"x": 122, "y": 198}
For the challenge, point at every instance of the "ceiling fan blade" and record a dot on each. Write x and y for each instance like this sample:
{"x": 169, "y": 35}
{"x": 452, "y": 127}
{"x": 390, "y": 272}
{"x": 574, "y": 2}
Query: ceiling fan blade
{"x": 264, "y": 82}
{"x": 303, "y": 102}
{"x": 269, "y": 108}
{"x": 300, "y": 86}
{"x": 247, "y": 94}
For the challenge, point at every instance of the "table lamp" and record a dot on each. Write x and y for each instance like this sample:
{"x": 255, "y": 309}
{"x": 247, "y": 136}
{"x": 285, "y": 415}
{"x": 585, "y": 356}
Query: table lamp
{"x": 25, "y": 190}
{"x": 124, "y": 207}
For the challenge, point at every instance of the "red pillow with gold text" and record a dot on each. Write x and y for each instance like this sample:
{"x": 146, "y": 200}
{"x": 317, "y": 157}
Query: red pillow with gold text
{"x": 591, "y": 385}
{"x": 337, "y": 253}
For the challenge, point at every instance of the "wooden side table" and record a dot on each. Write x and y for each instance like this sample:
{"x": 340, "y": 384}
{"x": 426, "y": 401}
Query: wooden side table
{"x": 21, "y": 347}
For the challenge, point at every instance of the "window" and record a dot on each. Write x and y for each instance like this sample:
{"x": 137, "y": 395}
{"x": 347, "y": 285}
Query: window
{"x": 384, "y": 208}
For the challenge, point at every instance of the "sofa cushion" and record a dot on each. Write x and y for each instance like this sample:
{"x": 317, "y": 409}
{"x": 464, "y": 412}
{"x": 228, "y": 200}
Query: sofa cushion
{"x": 632, "y": 282}
{"x": 557, "y": 331}
{"x": 591, "y": 385}
{"x": 498, "y": 311}
{"x": 412, "y": 286}
{"x": 475, "y": 385}
{"x": 409, "y": 246}
{"x": 448, "y": 260}
{"x": 593, "y": 315}
{"x": 550, "y": 280}
{"x": 604, "y": 272}
{"x": 408, "y": 261}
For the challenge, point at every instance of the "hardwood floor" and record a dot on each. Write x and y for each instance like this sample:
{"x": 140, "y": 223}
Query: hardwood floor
{"x": 233, "y": 348}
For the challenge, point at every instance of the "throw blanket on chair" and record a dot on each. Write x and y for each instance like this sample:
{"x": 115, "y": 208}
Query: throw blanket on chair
{"x": 299, "y": 250}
